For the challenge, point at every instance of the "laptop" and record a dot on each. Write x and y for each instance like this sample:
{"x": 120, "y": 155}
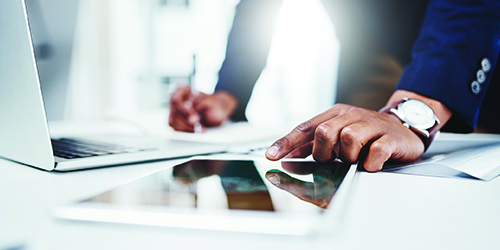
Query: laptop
{"x": 24, "y": 130}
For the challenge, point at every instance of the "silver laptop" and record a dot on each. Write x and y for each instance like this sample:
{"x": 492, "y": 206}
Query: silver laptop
{"x": 24, "y": 133}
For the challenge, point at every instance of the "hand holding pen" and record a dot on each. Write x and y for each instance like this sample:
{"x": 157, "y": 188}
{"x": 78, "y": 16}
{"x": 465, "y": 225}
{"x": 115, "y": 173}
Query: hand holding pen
{"x": 193, "y": 111}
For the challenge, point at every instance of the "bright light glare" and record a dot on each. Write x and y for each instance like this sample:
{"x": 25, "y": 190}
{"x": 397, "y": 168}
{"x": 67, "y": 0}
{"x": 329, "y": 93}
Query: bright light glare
{"x": 299, "y": 80}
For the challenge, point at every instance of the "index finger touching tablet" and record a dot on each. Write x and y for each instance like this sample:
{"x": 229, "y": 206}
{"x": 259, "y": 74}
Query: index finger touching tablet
{"x": 302, "y": 134}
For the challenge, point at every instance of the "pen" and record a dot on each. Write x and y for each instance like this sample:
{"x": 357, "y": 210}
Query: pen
{"x": 197, "y": 126}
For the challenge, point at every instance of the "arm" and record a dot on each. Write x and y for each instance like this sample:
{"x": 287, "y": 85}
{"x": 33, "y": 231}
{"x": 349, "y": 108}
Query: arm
{"x": 456, "y": 36}
{"x": 444, "y": 63}
{"x": 355, "y": 134}
{"x": 247, "y": 50}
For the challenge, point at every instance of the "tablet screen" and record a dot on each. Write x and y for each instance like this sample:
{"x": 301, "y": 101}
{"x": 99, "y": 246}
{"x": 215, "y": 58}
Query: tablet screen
{"x": 217, "y": 185}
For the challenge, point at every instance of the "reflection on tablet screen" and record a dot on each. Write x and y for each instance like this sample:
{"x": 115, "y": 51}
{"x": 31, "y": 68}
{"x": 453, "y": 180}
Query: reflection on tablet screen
{"x": 234, "y": 185}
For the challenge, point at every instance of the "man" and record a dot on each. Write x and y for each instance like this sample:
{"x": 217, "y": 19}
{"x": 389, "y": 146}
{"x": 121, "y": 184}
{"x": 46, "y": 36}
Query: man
{"x": 455, "y": 49}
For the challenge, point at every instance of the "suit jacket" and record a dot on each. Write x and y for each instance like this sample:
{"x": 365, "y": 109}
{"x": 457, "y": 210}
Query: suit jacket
{"x": 450, "y": 47}
{"x": 455, "y": 38}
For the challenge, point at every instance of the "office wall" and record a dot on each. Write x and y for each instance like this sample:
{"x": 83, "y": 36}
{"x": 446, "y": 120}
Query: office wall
{"x": 89, "y": 79}
{"x": 129, "y": 55}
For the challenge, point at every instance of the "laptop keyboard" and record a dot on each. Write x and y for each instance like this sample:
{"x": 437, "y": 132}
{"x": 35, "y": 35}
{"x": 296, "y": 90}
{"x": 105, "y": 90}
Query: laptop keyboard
{"x": 69, "y": 148}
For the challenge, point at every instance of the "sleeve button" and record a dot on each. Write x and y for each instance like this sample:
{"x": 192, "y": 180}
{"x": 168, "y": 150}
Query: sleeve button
{"x": 475, "y": 87}
{"x": 481, "y": 76}
{"x": 485, "y": 63}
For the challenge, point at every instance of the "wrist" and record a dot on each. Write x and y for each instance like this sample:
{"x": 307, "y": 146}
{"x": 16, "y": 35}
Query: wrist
{"x": 417, "y": 116}
{"x": 440, "y": 110}
{"x": 226, "y": 101}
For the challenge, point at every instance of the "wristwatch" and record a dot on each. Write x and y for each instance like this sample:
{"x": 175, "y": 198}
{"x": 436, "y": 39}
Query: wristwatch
{"x": 416, "y": 116}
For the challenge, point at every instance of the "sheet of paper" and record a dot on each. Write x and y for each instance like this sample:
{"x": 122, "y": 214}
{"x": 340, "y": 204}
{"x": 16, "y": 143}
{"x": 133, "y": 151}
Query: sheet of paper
{"x": 429, "y": 169}
{"x": 232, "y": 133}
{"x": 485, "y": 164}
{"x": 463, "y": 156}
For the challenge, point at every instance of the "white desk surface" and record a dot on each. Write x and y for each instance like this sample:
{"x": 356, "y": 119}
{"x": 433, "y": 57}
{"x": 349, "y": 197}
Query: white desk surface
{"x": 386, "y": 211}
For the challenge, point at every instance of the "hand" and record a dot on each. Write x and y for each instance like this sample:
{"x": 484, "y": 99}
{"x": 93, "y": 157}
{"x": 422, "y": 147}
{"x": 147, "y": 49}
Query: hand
{"x": 327, "y": 178}
{"x": 187, "y": 109}
{"x": 216, "y": 108}
{"x": 183, "y": 115}
{"x": 194, "y": 170}
{"x": 350, "y": 134}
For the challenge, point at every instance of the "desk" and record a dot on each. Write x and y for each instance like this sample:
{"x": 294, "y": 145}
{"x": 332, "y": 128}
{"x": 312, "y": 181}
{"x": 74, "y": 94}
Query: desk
{"x": 386, "y": 211}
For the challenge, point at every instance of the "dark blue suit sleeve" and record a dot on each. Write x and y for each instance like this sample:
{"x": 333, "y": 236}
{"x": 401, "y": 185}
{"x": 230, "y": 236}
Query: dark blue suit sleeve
{"x": 247, "y": 50}
{"x": 454, "y": 39}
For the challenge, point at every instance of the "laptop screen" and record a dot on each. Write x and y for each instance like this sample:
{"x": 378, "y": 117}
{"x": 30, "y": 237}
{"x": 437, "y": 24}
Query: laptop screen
{"x": 53, "y": 24}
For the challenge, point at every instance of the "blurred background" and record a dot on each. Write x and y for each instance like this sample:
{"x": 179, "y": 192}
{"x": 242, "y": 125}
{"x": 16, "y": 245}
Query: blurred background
{"x": 122, "y": 59}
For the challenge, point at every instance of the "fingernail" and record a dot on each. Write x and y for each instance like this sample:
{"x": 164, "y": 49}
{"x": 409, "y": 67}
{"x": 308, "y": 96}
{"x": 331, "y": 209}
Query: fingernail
{"x": 273, "y": 179}
{"x": 188, "y": 104}
{"x": 272, "y": 151}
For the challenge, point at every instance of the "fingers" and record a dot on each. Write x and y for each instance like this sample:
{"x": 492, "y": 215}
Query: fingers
{"x": 401, "y": 147}
{"x": 299, "y": 167}
{"x": 302, "y": 134}
{"x": 183, "y": 115}
{"x": 351, "y": 134}
{"x": 181, "y": 101}
{"x": 380, "y": 151}
{"x": 326, "y": 136}
{"x": 211, "y": 112}
{"x": 303, "y": 190}
{"x": 355, "y": 137}
{"x": 318, "y": 193}
{"x": 180, "y": 123}
{"x": 216, "y": 108}
{"x": 302, "y": 151}
{"x": 188, "y": 109}
{"x": 324, "y": 184}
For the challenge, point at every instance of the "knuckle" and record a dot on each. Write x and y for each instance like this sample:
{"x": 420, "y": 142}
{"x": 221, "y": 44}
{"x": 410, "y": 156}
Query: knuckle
{"x": 322, "y": 133}
{"x": 348, "y": 135}
{"x": 173, "y": 109}
{"x": 182, "y": 88}
{"x": 341, "y": 106}
{"x": 174, "y": 99}
{"x": 353, "y": 109}
{"x": 284, "y": 142}
{"x": 305, "y": 127}
{"x": 380, "y": 150}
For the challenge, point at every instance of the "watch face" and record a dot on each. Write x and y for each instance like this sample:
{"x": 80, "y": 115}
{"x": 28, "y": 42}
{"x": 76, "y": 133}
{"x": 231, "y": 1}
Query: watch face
{"x": 417, "y": 114}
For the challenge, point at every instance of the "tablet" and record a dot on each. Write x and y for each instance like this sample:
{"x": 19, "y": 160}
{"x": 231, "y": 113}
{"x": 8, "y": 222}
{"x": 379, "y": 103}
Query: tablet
{"x": 286, "y": 197}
